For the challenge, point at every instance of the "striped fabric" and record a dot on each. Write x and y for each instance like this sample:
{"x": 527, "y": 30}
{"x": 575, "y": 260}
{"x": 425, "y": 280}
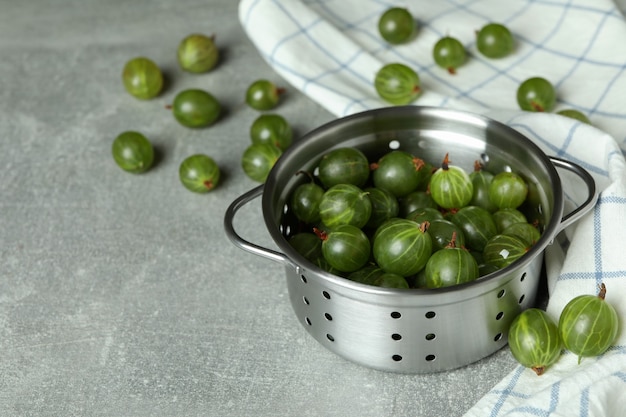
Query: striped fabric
{"x": 330, "y": 50}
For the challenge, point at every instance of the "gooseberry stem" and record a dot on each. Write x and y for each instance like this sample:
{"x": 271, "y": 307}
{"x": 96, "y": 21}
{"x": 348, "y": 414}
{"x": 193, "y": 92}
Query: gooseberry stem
{"x": 418, "y": 163}
{"x": 452, "y": 243}
{"x": 539, "y": 370}
{"x": 538, "y": 107}
{"x": 445, "y": 164}
{"x": 602, "y": 292}
{"x": 320, "y": 233}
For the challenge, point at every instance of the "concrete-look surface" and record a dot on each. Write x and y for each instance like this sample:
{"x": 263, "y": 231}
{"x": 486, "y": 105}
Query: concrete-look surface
{"x": 120, "y": 294}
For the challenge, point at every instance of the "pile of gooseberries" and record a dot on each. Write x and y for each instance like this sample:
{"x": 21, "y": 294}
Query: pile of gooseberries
{"x": 419, "y": 225}
{"x": 398, "y": 84}
{"x": 270, "y": 134}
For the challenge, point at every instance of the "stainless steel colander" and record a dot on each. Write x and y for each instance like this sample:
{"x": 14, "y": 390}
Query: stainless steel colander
{"x": 414, "y": 331}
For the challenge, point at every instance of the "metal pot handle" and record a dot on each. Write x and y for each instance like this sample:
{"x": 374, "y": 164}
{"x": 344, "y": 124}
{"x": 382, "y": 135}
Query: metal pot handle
{"x": 240, "y": 242}
{"x": 592, "y": 197}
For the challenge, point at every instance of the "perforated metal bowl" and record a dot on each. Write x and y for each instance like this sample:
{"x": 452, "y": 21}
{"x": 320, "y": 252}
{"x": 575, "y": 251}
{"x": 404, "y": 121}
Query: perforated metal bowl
{"x": 414, "y": 331}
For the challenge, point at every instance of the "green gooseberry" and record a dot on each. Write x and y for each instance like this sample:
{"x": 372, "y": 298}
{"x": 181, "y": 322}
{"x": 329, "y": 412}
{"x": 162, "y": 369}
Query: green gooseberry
{"x": 391, "y": 280}
{"x": 344, "y": 166}
{"x": 508, "y": 190}
{"x": 195, "y": 108}
{"x": 258, "y": 160}
{"x": 397, "y": 84}
{"x": 142, "y": 78}
{"x": 450, "y": 266}
{"x": 263, "y": 95}
{"x": 449, "y": 53}
{"x": 588, "y": 324}
{"x": 536, "y": 94}
{"x": 305, "y": 202}
{"x": 534, "y": 340}
{"x": 574, "y": 114}
{"x": 133, "y": 152}
{"x": 197, "y": 53}
{"x": 346, "y": 247}
{"x": 450, "y": 186}
{"x": 396, "y": 25}
{"x": 494, "y": 40}
{"x": 345, "y": 204}
{"x": 272, "y": 129}
{"x": 199, "y": 173}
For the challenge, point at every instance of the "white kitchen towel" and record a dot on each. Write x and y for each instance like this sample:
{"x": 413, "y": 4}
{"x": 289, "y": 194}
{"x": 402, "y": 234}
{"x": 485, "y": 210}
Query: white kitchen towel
{"x": 330, "y": 50}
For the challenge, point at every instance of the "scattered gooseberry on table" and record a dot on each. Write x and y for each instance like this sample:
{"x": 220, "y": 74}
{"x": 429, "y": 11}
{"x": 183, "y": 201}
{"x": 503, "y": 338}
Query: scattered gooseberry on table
{"x": 588, "y": 324}
{"x": 258, "y": 160}
{"x": 449, "y": 53}
{"x": 197, "y": 53}
{"x": 397, "y": 83}
{"x": 272, "y": 129}
{"x": 142, "y": 78}
{"x": 195, "y": 108}
{"x": 575, "y": 114}
{"x": 263, "y": 95}
{"x": 199, "y": 173}
{"x": 133, "y": 152}
{"x": 536, "y": 94}
{"x": 396, "y": 25}
{"x": 534, "y": 340}
{"x": 495, "y": 40}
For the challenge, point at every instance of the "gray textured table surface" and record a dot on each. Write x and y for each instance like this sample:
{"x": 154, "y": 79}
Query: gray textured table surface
{"x": 120, "y": 294}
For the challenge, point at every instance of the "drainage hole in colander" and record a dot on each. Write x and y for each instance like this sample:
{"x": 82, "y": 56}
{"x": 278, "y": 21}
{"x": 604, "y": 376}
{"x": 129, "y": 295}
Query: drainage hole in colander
{"x": 430, "y": 358}
{"x": 498, "y": 337}
{"x": 306, "y": 300}
{"x": 394, "y": 144}
{"x": 430, "y": 315}
{"x": 501, "y": 293}
{"x": 499, "y": 315}
{"x": 523, "y": 277}
{"x": 330, "y": 337}
{"x": 307, "y": 321}
{"x": 430, "y": 336}
{"x": 328, "y": 317}
{"x": 396, "y": 358}
{"x": 326, "y": 295}
{"x": 521, "y": 299}
{"x": 303, "y": 278}
{"x": 396, "y": 336}
{"x": 395, "y": 315}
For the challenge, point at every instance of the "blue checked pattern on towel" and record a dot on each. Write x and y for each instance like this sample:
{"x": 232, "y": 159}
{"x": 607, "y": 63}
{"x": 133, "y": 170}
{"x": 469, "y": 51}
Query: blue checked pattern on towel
{"x": 330, "y": 50}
